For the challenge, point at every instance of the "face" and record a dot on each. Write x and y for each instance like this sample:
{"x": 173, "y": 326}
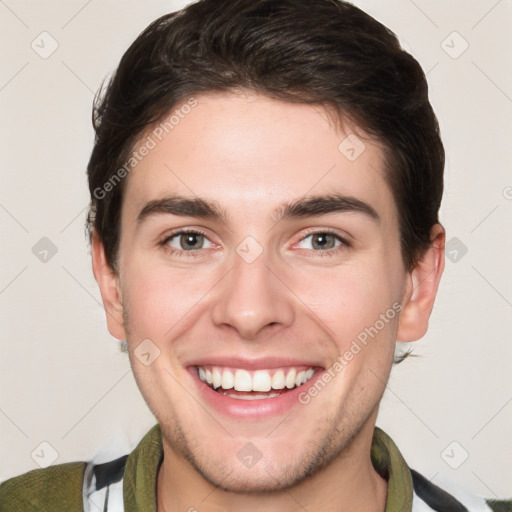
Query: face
{"x": 260, "y": 282}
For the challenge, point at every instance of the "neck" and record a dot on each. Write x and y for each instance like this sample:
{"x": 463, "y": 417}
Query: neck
{"x": 348, "y": 483}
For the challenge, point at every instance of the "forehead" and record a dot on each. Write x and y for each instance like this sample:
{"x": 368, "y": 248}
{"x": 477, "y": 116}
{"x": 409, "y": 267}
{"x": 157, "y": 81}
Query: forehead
{"x": 250, "y": 152}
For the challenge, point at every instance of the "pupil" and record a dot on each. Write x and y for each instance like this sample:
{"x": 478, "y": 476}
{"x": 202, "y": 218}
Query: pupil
{"x": 323, "y": 241}
{"x": 190, "y": 240}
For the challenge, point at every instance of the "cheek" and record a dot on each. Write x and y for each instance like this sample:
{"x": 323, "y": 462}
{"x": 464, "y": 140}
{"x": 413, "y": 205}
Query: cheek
{"x": 349, "y": 298}
{"x": 159, "y": 298}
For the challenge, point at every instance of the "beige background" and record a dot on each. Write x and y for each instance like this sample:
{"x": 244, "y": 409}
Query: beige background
{"x": 63, "y": 379}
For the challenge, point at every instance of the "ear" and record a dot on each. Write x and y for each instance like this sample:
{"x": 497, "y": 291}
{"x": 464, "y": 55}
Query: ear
{"x": 421, "y": 289}
{"x": 108, "y": 281}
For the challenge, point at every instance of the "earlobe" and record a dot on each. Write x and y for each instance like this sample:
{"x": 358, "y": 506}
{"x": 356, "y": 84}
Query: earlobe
{"x": 421, "y": 289}
{"x": 108, "y": 282}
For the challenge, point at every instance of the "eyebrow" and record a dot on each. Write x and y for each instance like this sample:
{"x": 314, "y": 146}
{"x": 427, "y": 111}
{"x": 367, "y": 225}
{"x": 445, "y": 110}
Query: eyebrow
{"x": 322, "y": 205}
{"x": 304, "y": 207}
{"x": 182, "y": 206}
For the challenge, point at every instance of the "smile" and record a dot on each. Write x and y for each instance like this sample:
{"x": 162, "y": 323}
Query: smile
{"x": 243, "y": 384}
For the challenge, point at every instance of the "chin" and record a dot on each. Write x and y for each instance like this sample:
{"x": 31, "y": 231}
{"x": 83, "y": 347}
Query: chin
{"x": 258, "y": 479}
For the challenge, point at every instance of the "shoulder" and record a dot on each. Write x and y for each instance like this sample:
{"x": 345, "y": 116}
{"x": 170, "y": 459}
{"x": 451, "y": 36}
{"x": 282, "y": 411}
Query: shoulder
{"x": 79, "y": 486}
{"x": 44, "y": 489}
{"x": 420, "y": 494}
{"x": 448, "y": 498}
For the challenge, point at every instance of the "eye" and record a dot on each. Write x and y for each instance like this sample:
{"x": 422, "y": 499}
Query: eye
{"x": 321, "y": 241}
{"x": 188, "y": 241}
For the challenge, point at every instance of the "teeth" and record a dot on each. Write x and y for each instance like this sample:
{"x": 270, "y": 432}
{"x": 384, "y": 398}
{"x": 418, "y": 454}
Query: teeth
{"x": 261, "y": 381}
{"x": 228, "y": 381}
{"x": 254, "y": 396}
{"x": 243, "y": 381}
{"x": 278, "y": 381}
{"x": 290, "y": 379}
{"x": 216, "y": 378}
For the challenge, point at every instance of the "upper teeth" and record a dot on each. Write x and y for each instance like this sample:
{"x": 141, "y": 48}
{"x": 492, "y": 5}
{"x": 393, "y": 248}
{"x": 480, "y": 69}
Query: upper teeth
{"x": 259, "y": 380}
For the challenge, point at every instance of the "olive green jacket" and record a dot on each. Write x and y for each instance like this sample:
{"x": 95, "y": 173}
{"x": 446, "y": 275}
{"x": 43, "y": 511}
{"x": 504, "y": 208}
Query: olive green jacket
{"x": 61, "y": 487}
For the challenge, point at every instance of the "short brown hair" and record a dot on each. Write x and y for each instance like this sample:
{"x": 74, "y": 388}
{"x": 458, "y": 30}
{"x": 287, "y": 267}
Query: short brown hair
{"x": 324, "y": 52}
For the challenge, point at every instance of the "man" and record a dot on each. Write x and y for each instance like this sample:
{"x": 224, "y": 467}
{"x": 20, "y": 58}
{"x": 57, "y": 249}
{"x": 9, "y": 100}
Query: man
{"x": 265, "y": 185}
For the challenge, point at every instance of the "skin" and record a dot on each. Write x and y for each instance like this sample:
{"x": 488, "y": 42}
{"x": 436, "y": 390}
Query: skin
{"x": 250, "y": 154}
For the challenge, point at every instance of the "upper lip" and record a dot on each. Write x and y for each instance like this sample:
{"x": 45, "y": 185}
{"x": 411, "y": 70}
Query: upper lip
{"x": 262, "y": 363}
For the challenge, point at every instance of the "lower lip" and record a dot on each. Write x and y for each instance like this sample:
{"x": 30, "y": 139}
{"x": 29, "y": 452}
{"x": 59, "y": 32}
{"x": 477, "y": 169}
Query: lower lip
{"x": 253, "y": 409}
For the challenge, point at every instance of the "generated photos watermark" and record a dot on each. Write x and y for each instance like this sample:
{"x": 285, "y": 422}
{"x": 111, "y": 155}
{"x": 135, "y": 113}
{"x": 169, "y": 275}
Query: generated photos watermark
{"x": 356, "y": 346}
{"x": 145, "y": 147}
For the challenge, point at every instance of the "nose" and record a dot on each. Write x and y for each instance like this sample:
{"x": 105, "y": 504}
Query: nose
{"x": 252, "y": 299}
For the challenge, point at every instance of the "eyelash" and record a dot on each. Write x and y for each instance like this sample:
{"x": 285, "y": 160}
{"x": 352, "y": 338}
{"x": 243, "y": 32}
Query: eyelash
{"x": 176, "y": 252}
{"x": 182, "y": 253}
{"x": 329, "y": 252}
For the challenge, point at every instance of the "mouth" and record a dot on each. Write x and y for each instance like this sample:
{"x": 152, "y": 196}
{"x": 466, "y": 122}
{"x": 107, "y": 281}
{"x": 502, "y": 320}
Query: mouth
{"x": 253, "y": 391}
{"x": 242, "y": 384}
